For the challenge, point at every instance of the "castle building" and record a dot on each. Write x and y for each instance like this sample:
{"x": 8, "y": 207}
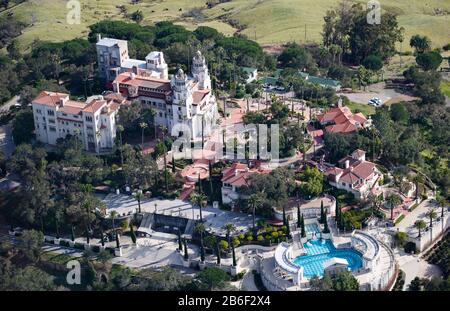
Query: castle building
{"x": 113, "y": 59}
{"x": 93, "y": 122}
{"x": 183, "y": 100}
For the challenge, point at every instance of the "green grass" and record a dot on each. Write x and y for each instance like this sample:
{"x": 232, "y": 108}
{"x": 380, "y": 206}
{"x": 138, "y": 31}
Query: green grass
{"x": 367, "y": 110}
{"x": 56, "y": 258}
{"x": 399, "y": 219}
{"x": 445, "y": 88}
{"x": 269, "y": 21}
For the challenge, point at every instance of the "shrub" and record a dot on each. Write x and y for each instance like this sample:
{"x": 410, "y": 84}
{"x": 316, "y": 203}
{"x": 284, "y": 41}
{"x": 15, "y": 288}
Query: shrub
{"x": 260, "y": 238}
{"x": 95, "y": 249}
{"x": 79, "y": 246}
{"x": 410, "y": 247}
{"x": 398, "y": 286}
{"x": 223, "y": 245}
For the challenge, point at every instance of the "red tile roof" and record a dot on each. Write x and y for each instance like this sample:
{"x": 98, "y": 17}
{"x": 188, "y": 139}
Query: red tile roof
{"x": 344, "y": 121}
{"x": 147, "y": 82}
{"x": 356, "y": 170}
{"x": 49, "y": 98}
{"x": 94, "y": 106}
{"x": 238, "y": 174}
{"x": 198, "y": 96}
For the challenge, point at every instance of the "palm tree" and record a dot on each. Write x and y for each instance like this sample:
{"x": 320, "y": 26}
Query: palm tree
{"x": 442, "y": 203}
{"x": 163, "y": 130}
{"x": 374, "y": 201}
{"x": 417, "y": 179}
{"x": 229, "y": 228}
{"x": 113, "y": 217}
{"x": 431, "y": 214}
{"x": 392, "y": 201}
{"x": 200, "y": 228}
{"x": 143, "y": 126}
{"x": 253, "y": 202}
{"x": 199, "y": 199}
{"x": 420, "y": 225}
{"x": 120, "y": 129}
{"x": 139, "y": 196}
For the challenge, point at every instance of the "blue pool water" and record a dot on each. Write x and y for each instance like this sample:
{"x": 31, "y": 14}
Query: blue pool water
{"x": 318, "y": 252}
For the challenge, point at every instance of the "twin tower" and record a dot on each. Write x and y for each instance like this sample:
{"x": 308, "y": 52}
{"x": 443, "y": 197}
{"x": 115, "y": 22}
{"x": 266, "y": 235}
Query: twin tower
{"x": 113, "y": 59}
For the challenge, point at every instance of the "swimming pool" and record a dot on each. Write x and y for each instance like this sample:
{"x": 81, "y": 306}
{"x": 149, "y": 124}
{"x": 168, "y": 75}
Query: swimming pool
{"x": 320, "y": 251}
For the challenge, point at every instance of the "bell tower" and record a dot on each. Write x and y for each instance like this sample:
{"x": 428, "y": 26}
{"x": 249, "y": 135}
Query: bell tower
{"x": 200, "y": 71}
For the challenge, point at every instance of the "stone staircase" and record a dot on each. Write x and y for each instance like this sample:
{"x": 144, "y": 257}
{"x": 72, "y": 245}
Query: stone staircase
{"x": 146, "y": 223}
{"x": 189, "y": 230}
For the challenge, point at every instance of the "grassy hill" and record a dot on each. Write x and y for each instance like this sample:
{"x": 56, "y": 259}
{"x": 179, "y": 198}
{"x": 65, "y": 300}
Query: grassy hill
{"x": 269, "y": 21}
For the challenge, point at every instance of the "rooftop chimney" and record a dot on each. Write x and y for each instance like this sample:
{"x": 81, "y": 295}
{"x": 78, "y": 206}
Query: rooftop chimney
{"x": 347, "y": 163}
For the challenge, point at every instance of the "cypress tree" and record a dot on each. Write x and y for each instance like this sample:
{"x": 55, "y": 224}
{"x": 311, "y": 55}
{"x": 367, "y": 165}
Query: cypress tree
{"x": 72, "y": 237}
{"x": 102, "y": 236}
{"x": 325, "y": 228}
{"x": 234, "y": 255}
{"x": 288, "y": 230}
{"x": 173, "y": 164}
{"x": 210, "y": 182}
{"x": 180, "y": 244}
{"x": 322, "y": 213}
{"x": 302, "y": 228}
{"x": 87, "y": 236}
{"x": 284, "y": 216}
{"x": 186, "y": 255}
{"x": 202, "y": 252}
{"x": 199, "y": 184}
{"x": 132, "y": 234}
{"x": 218, "y": 252}
{"x": 56, "y": 228}
{"x": 337, "y": 216}
{"x": 299, "y": 222}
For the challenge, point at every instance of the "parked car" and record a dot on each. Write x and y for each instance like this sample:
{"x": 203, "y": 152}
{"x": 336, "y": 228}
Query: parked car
{"x": 375, "y": 102}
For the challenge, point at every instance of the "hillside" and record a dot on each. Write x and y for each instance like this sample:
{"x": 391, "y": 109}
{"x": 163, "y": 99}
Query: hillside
{"x": 269, "y": 21}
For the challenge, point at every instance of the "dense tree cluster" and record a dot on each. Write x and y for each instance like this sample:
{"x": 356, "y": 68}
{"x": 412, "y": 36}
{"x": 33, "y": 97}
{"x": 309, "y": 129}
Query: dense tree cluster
{"x": 338, "y": 281}
{"x": 347, "y": 31}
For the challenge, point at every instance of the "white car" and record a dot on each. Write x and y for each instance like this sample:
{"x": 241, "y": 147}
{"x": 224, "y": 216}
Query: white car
{"x": 375, "y": 102}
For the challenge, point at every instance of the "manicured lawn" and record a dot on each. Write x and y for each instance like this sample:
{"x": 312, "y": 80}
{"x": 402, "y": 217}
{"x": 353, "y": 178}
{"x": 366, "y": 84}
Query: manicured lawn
{"x": 445, "y": 88}
{"x": 399, "y": 219}
{"x": 57, "y": 258}
{"x": 367, "y": 110}
{"x": 270, "y": 21}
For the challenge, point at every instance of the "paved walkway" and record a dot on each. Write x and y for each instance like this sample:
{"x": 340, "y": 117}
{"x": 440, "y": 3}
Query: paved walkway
{"x": 214, "y": 218}
{"x": 248, "y": 282}
{"x": 414, "y": 266}
{"x": 407, "y": 224}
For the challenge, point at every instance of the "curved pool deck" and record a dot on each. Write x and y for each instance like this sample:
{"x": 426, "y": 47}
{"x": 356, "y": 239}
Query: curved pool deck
{"x": 320, "y": 251}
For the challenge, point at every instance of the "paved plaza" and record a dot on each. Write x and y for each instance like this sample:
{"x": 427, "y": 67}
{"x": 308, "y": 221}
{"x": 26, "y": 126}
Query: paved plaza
{"x": 214, "y": 218}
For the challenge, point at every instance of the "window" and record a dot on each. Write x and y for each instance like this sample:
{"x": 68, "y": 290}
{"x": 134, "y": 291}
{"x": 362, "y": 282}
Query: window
{"x": 52, "y": 129}
{"x": 52, "y": 121}
{"x": 89, "y": 118}
{"x": 50, "y": 112}
{"x": 160, "y": 114}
